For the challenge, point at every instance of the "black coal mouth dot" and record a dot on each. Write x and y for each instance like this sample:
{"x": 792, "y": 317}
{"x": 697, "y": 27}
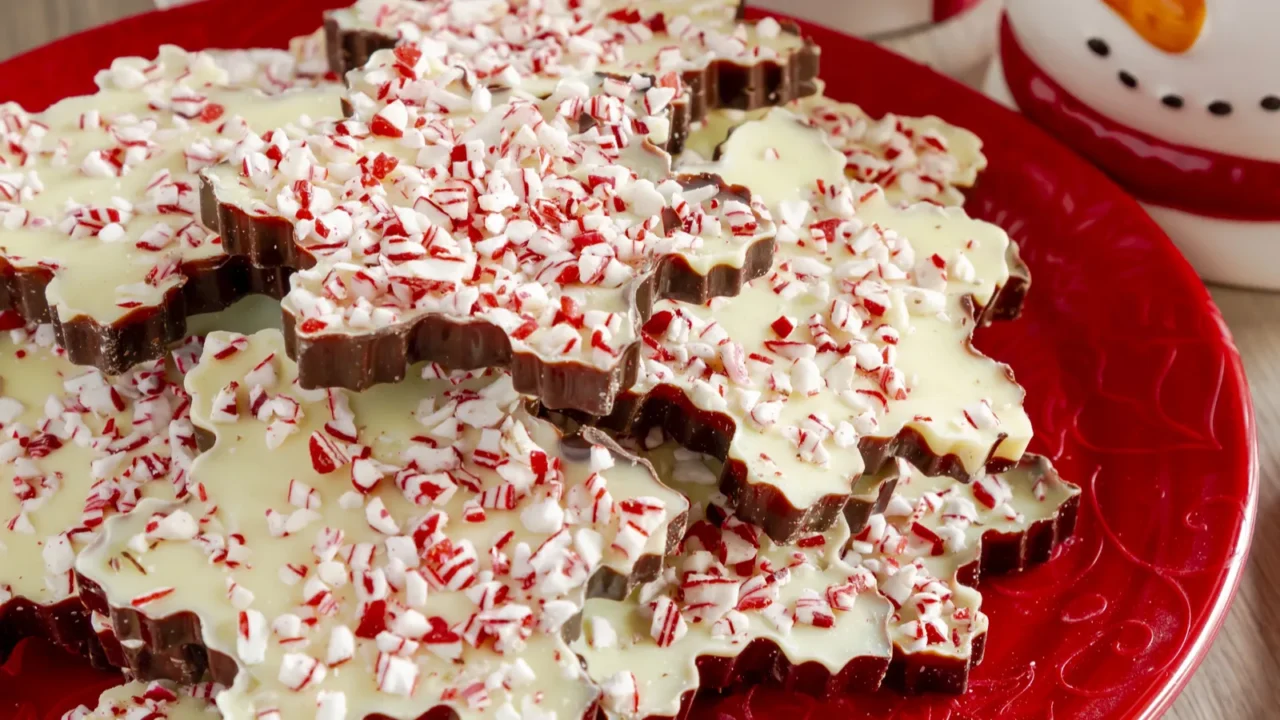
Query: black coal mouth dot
{"x": 1221, "y": 108}
{"x": 1218, "y": 108}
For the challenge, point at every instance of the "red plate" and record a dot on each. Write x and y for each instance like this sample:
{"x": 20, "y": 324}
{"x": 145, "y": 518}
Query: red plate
{"x": 1132, "y": 381}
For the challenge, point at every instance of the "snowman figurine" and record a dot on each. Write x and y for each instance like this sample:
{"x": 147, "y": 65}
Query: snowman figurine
{"x": 956, "y": 37}
{"x": 1178, "y": 100}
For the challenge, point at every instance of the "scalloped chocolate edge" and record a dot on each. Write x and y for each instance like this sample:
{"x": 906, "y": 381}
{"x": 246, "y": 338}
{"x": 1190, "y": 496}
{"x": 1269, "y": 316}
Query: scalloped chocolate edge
{"x": 65, "y": 623}
{"x": 763, "y": 504}
{"x": 359, "y": 361}
{"x": 762, "y": 661}
{"x": 145, "y": 333}
{"x": 731, "y": 85}
{"x": 173, "y": 647}
{"x": 1000, "y": 554}
{"x": 1012, "y": 295}
{"x": 721, "y": 84}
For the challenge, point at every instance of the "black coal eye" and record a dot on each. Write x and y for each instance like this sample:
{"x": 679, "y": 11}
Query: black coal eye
{"x": 1173, "y": 101}
{"x": 1128, "y": 80}
{"x": 1271, "y": 103}
{"x": 1099, "y": 47}
{"x": 1220, "y": 108}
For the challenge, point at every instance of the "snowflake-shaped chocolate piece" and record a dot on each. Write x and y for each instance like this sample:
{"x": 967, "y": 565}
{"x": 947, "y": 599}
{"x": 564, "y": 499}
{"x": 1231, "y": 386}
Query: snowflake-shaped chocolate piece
{"x": 854, "y": 349}
{"x": 76, "y": 447}
{"x": 913, "y": 158}
{"x": 833, "y": 614}
{"x": 722, "y": 60}
{"x": 387, "y": 552}
{"x": 99, "y": 198}
{"x": 933, "y": 542}
{"x": 533, "y": 234}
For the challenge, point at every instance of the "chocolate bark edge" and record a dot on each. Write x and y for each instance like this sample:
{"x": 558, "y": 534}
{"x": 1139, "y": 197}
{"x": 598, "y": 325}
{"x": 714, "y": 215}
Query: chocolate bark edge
{"x": 726, "y": 84}
{"x": 763, "y": 662}
{"x": 172, "y": 647}
{"x": 350, "y": 48}
{"x": 720, "y": 84}
{"x": 144, "y": 333}
{"x": 359, "y": 361}
{"x": 1000, "y": 553}
{"x": 1009, "y": 298}
{"x": 763, "y": 504}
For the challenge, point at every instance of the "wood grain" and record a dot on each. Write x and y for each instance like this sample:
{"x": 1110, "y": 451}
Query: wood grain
{"x": 1238, "y": 678}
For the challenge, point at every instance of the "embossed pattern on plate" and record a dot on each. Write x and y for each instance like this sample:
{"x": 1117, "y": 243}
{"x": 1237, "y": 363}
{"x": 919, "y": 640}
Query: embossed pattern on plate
{"x": 1132, "y": 382}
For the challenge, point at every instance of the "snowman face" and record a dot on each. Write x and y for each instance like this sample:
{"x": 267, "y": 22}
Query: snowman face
{"x": 1200, "y": 73}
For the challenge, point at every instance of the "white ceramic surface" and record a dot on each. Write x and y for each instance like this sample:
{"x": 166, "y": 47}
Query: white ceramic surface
{"x": 1230, "y": 58}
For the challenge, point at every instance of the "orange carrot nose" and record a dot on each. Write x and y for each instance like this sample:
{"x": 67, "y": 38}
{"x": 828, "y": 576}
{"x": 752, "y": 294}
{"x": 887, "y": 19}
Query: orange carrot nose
{"x": 1170, "y": 25}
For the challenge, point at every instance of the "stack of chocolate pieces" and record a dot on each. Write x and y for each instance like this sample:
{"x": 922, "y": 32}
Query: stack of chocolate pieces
{"x": 561, "y": 360}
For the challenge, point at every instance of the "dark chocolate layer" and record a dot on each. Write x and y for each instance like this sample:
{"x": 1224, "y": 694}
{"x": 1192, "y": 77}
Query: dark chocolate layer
{"x": 145, "y": 333}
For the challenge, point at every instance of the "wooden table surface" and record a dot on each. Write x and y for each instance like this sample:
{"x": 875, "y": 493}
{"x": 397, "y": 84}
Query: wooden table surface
{"x": 1240, "y": 677}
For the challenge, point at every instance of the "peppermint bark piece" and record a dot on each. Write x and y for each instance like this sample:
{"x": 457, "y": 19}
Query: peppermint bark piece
{"x": 724, "y": 613}
{"x": 854, "y": 349}
{"x": 76, "y": 447}
{"x": 498, "y": 45}
{"x": 428, "y": 76}
{"x": 936, "y": 539}
{"x": 913, "y": 158}
{"x": 152, "y": 701}
{"x": 534, "y": 235}
{"x": 99, "y": 234}
{"x": 385, "y": 553}
{"x": 730, "y": 594}
{"x": 752, "y": 154}
{"x": 723, "y": 62}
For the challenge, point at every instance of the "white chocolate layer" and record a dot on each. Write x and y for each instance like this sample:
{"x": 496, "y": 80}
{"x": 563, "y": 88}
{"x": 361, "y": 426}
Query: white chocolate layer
{"x": 76, "y": 446}
{"x": 97, "y": 469}
{"x": 913, "y": 158}
{"x": 248, "y": 483}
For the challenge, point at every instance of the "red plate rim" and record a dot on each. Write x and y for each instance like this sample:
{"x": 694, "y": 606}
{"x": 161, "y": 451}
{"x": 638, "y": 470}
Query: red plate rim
{"x": 42, "y": 75}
